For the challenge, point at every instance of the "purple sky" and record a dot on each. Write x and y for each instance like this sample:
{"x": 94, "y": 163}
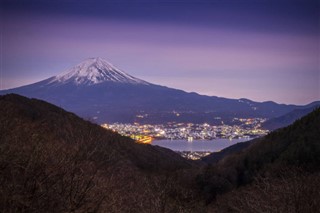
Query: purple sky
{"x": 261, "y": 51}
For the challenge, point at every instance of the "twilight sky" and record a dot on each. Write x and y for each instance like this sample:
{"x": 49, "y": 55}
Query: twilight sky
{"x": 257, "y": 49}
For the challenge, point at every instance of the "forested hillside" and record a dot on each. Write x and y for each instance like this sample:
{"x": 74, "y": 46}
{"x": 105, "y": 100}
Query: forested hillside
{"x": 269, "y": 168}
{"x": 52, "y": 160}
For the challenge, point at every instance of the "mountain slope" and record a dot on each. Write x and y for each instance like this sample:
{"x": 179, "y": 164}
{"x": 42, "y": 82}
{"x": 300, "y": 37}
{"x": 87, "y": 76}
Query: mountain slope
{"x": 53, "y": 161}
{"x": 97, "y": 90}
{"x": 287, "y": 119}
{"x": 20, "y": 115}
{"x": 217, "y": 156}
{"x": 295, "y": 147}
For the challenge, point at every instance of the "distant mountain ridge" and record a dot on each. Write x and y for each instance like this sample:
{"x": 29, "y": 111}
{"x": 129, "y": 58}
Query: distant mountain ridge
{"x": 289, "y": 118}
{"x": 97, "y": 90}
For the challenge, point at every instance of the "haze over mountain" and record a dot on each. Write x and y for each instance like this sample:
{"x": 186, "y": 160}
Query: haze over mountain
{"x": 289, "y": 118}
{"x": 97, "y": 90}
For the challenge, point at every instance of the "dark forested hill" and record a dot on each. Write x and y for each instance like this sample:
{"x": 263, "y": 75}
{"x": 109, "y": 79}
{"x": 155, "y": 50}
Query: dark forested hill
{"x": 288, "y": 156}
{"x": 52, "y": 160}
{"x": 37, "y": 120}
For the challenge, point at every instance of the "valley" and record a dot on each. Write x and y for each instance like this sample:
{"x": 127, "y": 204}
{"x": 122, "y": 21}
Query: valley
{"x": 51, "y": 152}
{"x": 159, "y": 106}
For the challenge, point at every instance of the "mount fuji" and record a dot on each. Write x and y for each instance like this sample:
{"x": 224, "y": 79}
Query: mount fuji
{"x": 98, "y": 91}
{"x": 94, "y": 71}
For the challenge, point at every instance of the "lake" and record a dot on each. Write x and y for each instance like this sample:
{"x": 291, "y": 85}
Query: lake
{"x": 214, "y": 145}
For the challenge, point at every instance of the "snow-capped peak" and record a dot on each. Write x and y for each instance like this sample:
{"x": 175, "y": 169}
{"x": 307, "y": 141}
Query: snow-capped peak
{"x": 95, "y": 71}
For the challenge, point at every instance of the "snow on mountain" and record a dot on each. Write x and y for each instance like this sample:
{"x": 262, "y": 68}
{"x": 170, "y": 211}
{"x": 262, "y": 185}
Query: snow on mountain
{"x": 95, "y": 71}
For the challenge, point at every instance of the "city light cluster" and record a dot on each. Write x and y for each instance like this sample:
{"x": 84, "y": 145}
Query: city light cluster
{"x": 245, "y": 128}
